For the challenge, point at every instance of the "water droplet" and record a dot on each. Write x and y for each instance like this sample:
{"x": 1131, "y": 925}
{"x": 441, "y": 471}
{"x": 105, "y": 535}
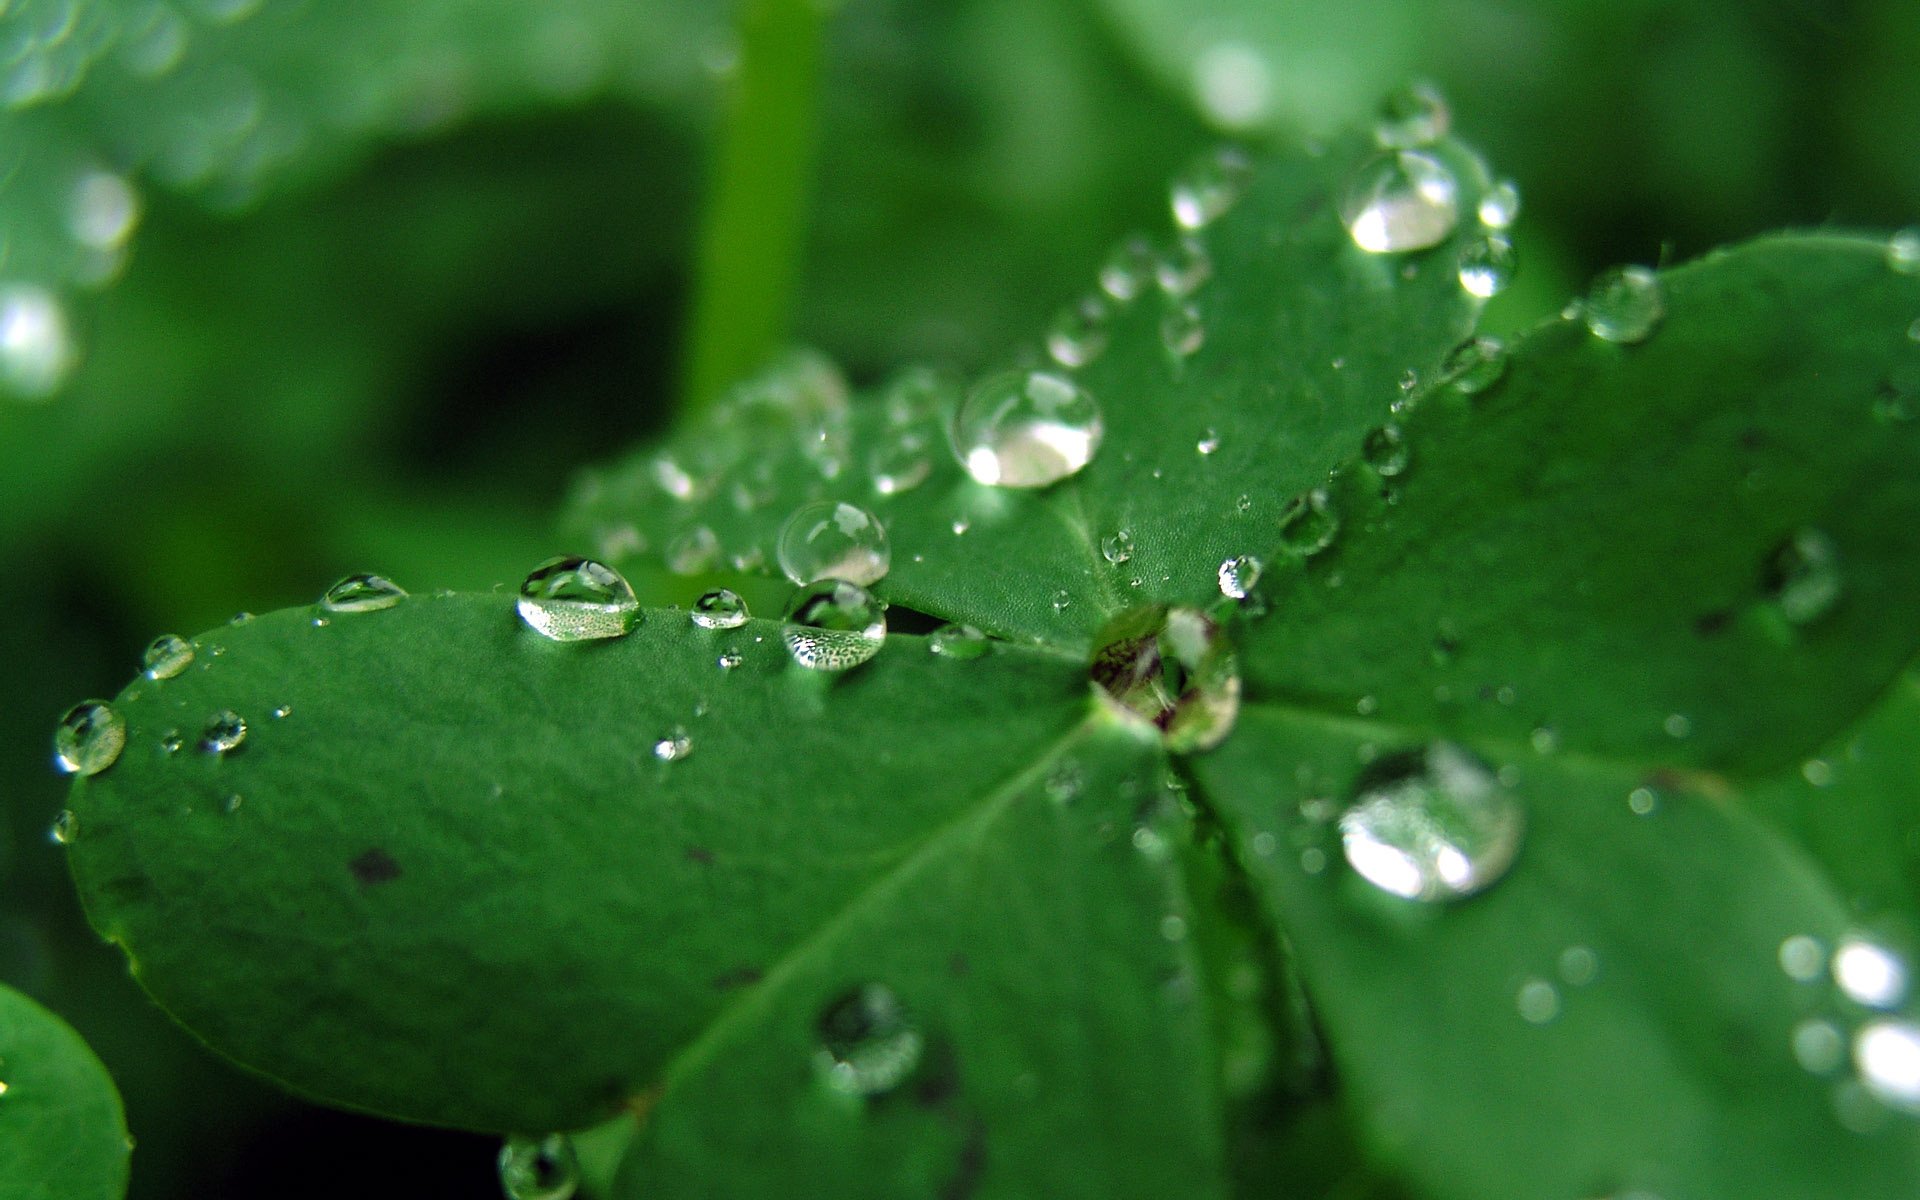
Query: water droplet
{"x": 1414, "y": 116}
{"x": 1501, "y": 205}
{"x": 171, "y": 742}
{"x": 1818, "y": 772}
{"x": 692, "y": 552}
{"x": 1386, "y": 451}
{"x": 1678, "y": 725}
{"x": 103, "y": 212}
{"x": 831, "y": 540}
{"x": 1432, "y": 824}
{"x": 1308, "y": 524}
{"x": 1117, "y": 548}
{"x": 225, "y": 731}
{"x": 1803, "y": 578}
{"x": 167, "y": 656}
{"x": 573, "y": 599}
{"x": 674, "y": 745}
{"x": 833, "y": 625}
{"x": 1182, "y": 270}
{"x": 670, "y": 477}
{"x": 869, "y": 1044}
{"x": 1802, "y": 958}
{"x": 1903, "y": 251}
{"x": 729, "y": 659}
{"x": 66, "y": 827}
{"x": 362, "y": 593}
{"x": 232, "y": 803}
{"x": 1487, "y": 266}
{"x": 1064, "y": 782}
{"x": 36, "y": 350}
{"x": 1181, "y": 330}
{"x": 719, "y": 609}
{"x": 1887, "y": 1055}
{"x": 1642, "y": 802}
{"x": 1579, "y": 965}
{"x": 1062, "y": 599}
{"x": 917, "y": 395}
{"x": 1209, "y": 187}
{"x": 1208, "y": 443}
{"x": 1400, "y": 201}
{"x": 1232, "y": 83}
{"x": 1027, "y": 429}
{"x": 900, "y": 464}
{"x": 962, "y": 643}
{"x": 1172, "y": 668}
{"x": 1475, "y": 365}
{"x": 1625, "y": 305}
{"x": 1538, "y": 1002}
{"x": 89, "y": 738}
{"x": 1869, "y": 974}
{"x": 1079, "y": 334}
{"x": 1127, "y": 270}
{"x": 1818, "y": 1046}
{"x": 539, "y": 1168}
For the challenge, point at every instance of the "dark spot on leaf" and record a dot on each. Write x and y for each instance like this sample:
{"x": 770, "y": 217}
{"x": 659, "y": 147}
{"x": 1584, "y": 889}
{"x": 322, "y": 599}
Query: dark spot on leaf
{"x": 965, "y": 1180}
{"x": 1753, "y": 439}
{"x": 960, "y": 966}
{"x": 374, "y": 867}
{"x": 739, "y": 977}
{"x": 938, "y": 1081}
{"x": 1709, "y": 624}
{"x": 698, "y": 855}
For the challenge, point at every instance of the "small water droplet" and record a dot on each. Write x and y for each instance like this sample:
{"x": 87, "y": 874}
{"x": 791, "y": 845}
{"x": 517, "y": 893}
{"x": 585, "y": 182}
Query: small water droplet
{"x": 1869, "y": 974}
{"x": 225, "y": 732}
{"x": 869, "y": 1044}
{"x": 1416, "y": 115}
{"x": 1903, "y": 251}
{"x": 1027, "y": 429}
{"x": 1209, "y": 187}
{"x": 1487, "y": 265}
{"x": 1117, "y": 547}
{"x": 1818, "y": 772}
{"x": 103, "y": 211}
{"x": 1173, "y": 927}
{"x": 1538, "y": 1001}
{"x": 1126, "y": 272}
{"x": 282, "y": 712}
{"x": 1475, "y": 365}
{"x": 1501, "y": 205}
{"x": 1625, "y": 305}
{"x": 1208, "y": 443}
{"x": 670, "y": 477}
{"x": 674, "y": 745}
{"x": 1182, "y": 331}
{"x": 573, "y": 599}
{"x": 1182, "y": 270}
{"x": 1886, "y": 1053}
{"x": 1678, "y": 725}
{"x": 1578, "y": 965}
{"x": 961, "y": 643}
{"x": 1079, "y": 334}
{"x": 1399, "y": 202}
{"x": 900, "y": 464}
{"x": 66, "y": 828}
{"x": 729, "y": 659}
{"x": 171, "y": 742}
{"x": 232, "y": 803}
{"x": 1239, "y": 575}
{"x": 1062, "y": 599}
{"x": 36, "y": 349}
{"x": 828, "y": 539}
{"x": 539, "y": 1168}
{"x": 1802, "y": 958}
{"x": 693, "y": 551}
{"x": 1173, "y": 669}
{"x": 1386, "y": 451}
{"x": 89, "y": 738}
{"x": 1432, "y": 824}
{"x": 1818, "y": 1046}
{"x": 1243, "y": 504}
{"x": 719, "y": 609}
{"x": 362, "y": 593}
{"x": 1642, "y": 802}
{"x": 1309, "y": 524}
{"x": 167, "y": 656}
{"x": 1064, "y": 782}
{"x": 834, "y": 625}
{"x": 1802, "y": 578}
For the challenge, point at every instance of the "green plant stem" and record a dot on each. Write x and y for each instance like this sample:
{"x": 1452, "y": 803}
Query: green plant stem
{"x": 749, "y": 252}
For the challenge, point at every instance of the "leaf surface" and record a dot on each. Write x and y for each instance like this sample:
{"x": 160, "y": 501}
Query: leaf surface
{"x": 62, "y": 1133}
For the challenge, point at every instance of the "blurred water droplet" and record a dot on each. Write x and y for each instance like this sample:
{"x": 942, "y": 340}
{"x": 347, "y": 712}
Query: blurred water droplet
{"x": 1399, "y": 202}
{"x": 224, "y": 733}
{"x": 1432, "y": 824}
{"x": 1185, "y": 266}
{"x": 961, "y": 643}
{"x": 1487, "y": 265}
{"x": 1476, "y": 365}
{"x": 539, "y": 1168}
{"x": 283, "y": 711}
{"x": 719, "y": 609}
{"x": 869, "y": 1044}
{"x": 171, "y": 742}
{"x": 36, "y": 349}
{"x": 1308, "y": 524}
{"x": 167, "y": 656}
{"x": 1239, "y": 575}
{"x": 1414, "y": 116}
{"x": 1079, "y": 333}
{"x": 1232, "y": 83}
{"x": 1625, "y": 305}
{"x": 1501, "y": 205}
{"x": 674, "y": 745}
{"x": 1127, "y": 270}
{"x": 1538, "y": 1001}
{"x": 1117, "y": 547}
{"x": 1802, "y": 578}
{"x": 1818, "y": 1046}
{"x": 361, "y": 594}
{"x": 828, "y": 539}
{"x": 1886, "y": 1053}
{"x": 1678, "y": 725}
{"x": 1869, "y": 974}
{"x": 1818, "y": 772}
{"x": 572, "y": 599}
{"x": 1578, "y": 965}
{"x": 1027, "y": 429}
{"x": 900, "y": 463}
{"x": 1209, "y": 187}
{"x": 1173, "y": 669}
{"x": 103, "y": 211}
{"x": 1385, "y": 449}
{"x": 1903, "y": 251}
{"x": 66, "y": 828}
{"x": 693, "y": 551}
{"x": 1064, "y": 782}
{"x": 834, "y": 625}
{"x": 232, "y": 803}
{"x": 1208, "y": 443}
{"x": 1642, "y": 802}
{"x": 89, "y": 738}
{"x": 1182, "y": 331}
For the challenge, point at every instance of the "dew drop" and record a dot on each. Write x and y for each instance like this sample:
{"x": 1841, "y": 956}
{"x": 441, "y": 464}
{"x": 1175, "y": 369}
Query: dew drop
{"x": 225, "y": 732}
{"x": 1802, "y": 579}
{"x": 1802, "y": 958}
{"x": 1475, "y": 365}
{"x": 692, "y": 552}
{"x": 1117, "y": 548}
{"x": 1400, "y": 201}
{"x": 1309, "y": 524}
{"x": 719, "y": 609}
{"x": 1414, "y": 116}
{"x": 900, "y": 464}
{"x": 573, "y": 599}
{"x": 1642, "y": 802}
{"x": 66, "y": 828}
{"x": 1239, "y": 575}
{"x": 729, "y": 659}
{"x": 36, "y": 349}
{"x": 1903, "y": 251}
{"x": 834, "y": 625}
{"x": 1487, "y": 266}
{"x": 1578, "y": 965}
{"x": 1079, "y": 334}
{"x": 1538, "y": 1002}
{"x": 829, "y": 539}
{"x": 1625, "y": 305}
{"x": 362, "y": 593}
{"x": 917, "y": 395}
{"x": 1182, "y": 331}
{"x": 1208, "y": 443}
{"x": 1431, "y": 825}
{"x": 539, "y": 1168}
{"x": 1172, "y": 668}
{"x": 1182, "y": 270}
{"x": 104, "y": 210}
{"x": 167, "y": 656}
{"x": 171, "y": 742}
{"x": 1027, "y": 429}
{"x": 961, "y": 643}
{"x": 1869, "y": 974}
{"x": 89, "y": 738}
{"x": 1062, "y": 600}
{"x": 869, "y": 1044}
{"x": 1386, "y": 451}
{"x": 1501, "y": 205}
{"x": 1818, "y": 1046}
{"x": 674, "y": 745}
{"x": 1887, "y": 1055}
{"x": 1127, "y": 271}
{"x": 1209, "y": 188}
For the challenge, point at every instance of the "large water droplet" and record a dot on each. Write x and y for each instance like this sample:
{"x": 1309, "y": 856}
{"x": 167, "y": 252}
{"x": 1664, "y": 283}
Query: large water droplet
{"x": 1239, "y": 575}
{"x": 869, "y": 1044}
{"x": 1475, "y": 365}
{"x": 1887, "y": 1055}
{"x": 224, "y": 733}
{"x": 1625, "y": 305}
{"x": 1027, "y": 429}
{"x": 573, "y": 599}
{"x": 1209, "y": 187}
{"x": 720, "y": 608}
{"x": 961, "y": 643}
{"x": 1079, "y": 334}
{"x": 167, "y": 656}
{"x": 89, "y": 738}
{"x": 1399, "y": 202}
{"x": 831, "y": 540}
{"x": 1432, "y": 824}
{"x": 1172, "y": 668}
{"x": 362, "y": 593}
{"x": 1309, "y": 524}
{"x": 539, "y": 1168}
{"x": 36, "y": 349}
{"x": 1803, "y": 577}
{"x": 1414, "y": 116}
{"x": 833, "y": 625}
{"x": 1487, "y": 266}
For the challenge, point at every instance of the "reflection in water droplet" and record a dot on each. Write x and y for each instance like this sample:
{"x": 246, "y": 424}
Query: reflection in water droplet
{"x": 1578, "y": 965}
{"x": 1183, "y": 268}
{"x": 674, "y": 745}
{"x": 1802, "y": 958}
{"x": 719, "y": 609}
{"x": 1181, "y": 330}
{"x": 1887, "y": 1055}
{"x": 1309, "y": 524}
{"x": 36, "y": 350}
{"x": 1385, "y": 450}
{"x": 900, "y": 463}
{"x": 1209, "y": 187}
{"x": 89, "y": 738}
{"x": 225, "y": 731}
{"x": 1239, "y": 575}
{"x": 961, "y": 643}
{"x": 729, "y": 659}
{"x": 539, "y": 1168}
{"x": 831, "y": 540}
{"x": 572, "y": 599}
{"x": 1079, "y": 334}
{"x": 1903, "y": 251}
{"x": 1432, "y": 824}
{"x": 1414, "y": 116}
{"x": 1869, "y": 974}
{"x": 1399, "y": 202}
{"x": 1128, "y": 269}
{"x": 1802, "y": 578}
{"x": 1208, "y": 443}
{"x": 1642, "y": 801}
{"x": 362, "y": 593}
{"x": 1172, "y": 668}
{"x": 1625, "y": 305}
{"x": 1487, "y": 265}
{"x": 167, "y": 656}
{"x": 869, "y": 1044}
{"x": 1818, "y": 1046}
{"x": 1501, "y": 205}
{"x": 1117, "y": 547}
{"x": 833, "y": 625}
{"x": 66, "y": 828}
{"x": 1027, "y": 429}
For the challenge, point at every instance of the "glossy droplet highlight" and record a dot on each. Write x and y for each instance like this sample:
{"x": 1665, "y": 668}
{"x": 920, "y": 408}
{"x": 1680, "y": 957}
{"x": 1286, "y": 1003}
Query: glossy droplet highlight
{"x": 1117, "y": 547}
{"x": 1500, "y": 207}
{"x": 89, "y": 738}
{"x": 66, "y": 828}
{"x": 961, "y": 643}
{"x": 225, "y": 732}
{"x": 1027, "y": 429}
{"x": 834, "y": 625}
{"x": 673, "y": 745}
{"x": 1903, "y": 251}
{"x": 1079, "y": 334}
{"x": 1431, "y": 825}
{"x": 900, "y": 464}
{"x": 573, "y": 599}
{"x": 36, "y": 349}
{"x": 1487, "y": 265}
{"x": 1128, "y": 270}
{"x": 719, "y": 609}
{"x": 1239, "y": 575}
{"x": 1208, "y": 188}
{"x": 1385, "y": 450}
{"x": 1399, "y": 202}
{"x": 166, "y": 656}
{"x": 539, "y": 1168}
{"x": 1309, "y": 524}
{"x": 362, "y": 594}
{"x": 1475, "y": 365}
{"x": 1414, "y": 116}
{"x": 869, "y": 1044}
{"x": 828, "y": 539}
{"x": 1869, "y": 974}
{"x": 1886, "y": 1053}
{"x": 1625, "y": 305}
{"x": 1171, "y": 668}
{"x": 1802, "y": 577}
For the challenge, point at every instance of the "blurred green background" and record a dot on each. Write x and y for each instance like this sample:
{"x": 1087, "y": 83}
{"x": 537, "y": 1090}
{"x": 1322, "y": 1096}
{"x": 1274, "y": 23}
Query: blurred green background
{"x": 393, "y": 270}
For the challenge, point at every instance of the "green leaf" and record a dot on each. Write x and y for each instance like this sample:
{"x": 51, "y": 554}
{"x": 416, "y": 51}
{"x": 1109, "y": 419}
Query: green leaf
{"x": 1697, "y": 549}
{"x": 1306, "y": 340}
{"x": 62, "y": 1134}
{"x": 1658, "y": 1054}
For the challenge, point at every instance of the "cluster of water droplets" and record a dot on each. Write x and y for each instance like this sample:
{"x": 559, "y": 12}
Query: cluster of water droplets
{"x": 1863, "y": 1022}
